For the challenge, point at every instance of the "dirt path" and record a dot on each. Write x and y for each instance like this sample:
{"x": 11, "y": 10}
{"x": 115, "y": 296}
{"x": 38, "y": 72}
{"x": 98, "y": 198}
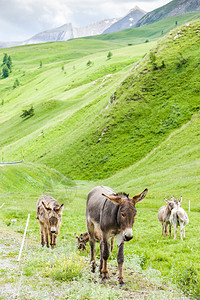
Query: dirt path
{"x": 33, "y": 285}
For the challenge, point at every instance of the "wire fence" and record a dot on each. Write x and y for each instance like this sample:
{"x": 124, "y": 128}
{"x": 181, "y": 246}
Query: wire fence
{"x": 11, "y": 162}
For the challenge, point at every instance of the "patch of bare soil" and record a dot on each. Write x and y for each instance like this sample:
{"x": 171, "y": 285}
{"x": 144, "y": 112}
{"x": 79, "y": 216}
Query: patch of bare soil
{"x": 14, "y": 284}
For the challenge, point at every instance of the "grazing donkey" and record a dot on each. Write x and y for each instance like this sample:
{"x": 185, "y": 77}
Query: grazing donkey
{"x": 179, "y": 217}
{"x": 113, "y": 215}
{"x": 49, "y": 215}
{"x": 164, "y": 215}
{"x": 84, "y": 238}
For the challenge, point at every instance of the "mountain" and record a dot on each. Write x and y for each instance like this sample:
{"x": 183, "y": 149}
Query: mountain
{"x": 67, "y": 32}
{"x": 95, "y": 28}
{"x": 64, "y": 33}
{"x": 173, "y": 8}
{"x": 128, "y": 21}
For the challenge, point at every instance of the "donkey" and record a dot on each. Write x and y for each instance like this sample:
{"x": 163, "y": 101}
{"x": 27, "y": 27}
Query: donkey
{"x": 180, "y": 218}
{"x": 84, "y": 238}
{"x": 49, "y": 215}
{"x": 113, "y": 215}
{"x": 164, "y": 215}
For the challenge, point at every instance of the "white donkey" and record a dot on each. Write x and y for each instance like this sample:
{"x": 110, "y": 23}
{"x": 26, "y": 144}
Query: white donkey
{"x": 179, "y": 217}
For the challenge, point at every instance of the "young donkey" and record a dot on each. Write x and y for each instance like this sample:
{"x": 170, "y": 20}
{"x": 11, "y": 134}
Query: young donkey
{"x": 84, "y": 238}
{"x": 113, "y": 215}
{"x": 179, "y": 217}
{"x": 49, "y": 215}
{"x": 164, "y": 215}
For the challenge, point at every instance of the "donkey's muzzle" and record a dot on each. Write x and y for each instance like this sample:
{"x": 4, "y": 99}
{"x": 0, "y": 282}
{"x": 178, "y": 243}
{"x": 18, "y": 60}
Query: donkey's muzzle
{"x": 127, "y": 238}
{"x": 53, "y": 229}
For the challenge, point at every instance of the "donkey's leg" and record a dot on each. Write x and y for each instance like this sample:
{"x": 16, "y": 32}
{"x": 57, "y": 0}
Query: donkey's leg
{"x": 181, "y": 230}
{"x": 170, "y": 230}
{"x": 106, "y": 250}
{"x": 90, "y": 227}
{"x": 120, "y": 259}
{"x": 163, "y": 229}
{"x": 42, "y": 234}
{"x": 112, "y": 243}
{"x": 46, "y": 236}
{"x": 166, "y": 233}
{"x": 175, "y": 232}
{"x": 53, "y": 240}
{"x": 101, "y": 257}
{"x": 184, "y": 231}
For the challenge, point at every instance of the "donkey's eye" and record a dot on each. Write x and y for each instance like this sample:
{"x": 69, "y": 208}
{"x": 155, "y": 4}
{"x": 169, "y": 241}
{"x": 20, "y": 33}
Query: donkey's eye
{"x": 123, "y": 215}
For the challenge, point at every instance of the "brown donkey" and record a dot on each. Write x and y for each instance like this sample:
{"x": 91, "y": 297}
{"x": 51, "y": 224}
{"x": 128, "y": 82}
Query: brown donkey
{"x": 84, "y": 238}
{"x": 49, "y": 215}
{"x": 113, "y": 215}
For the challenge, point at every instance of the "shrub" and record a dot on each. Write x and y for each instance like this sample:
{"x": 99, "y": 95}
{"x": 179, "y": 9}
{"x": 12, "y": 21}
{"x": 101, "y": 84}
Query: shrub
{"x": 109, "y": 55}
{"x": 27, "y": 113}
{"x": 89, "y": 63}
{"x": 153, "y": 60}
{"x": 66, "y": 268}
{"x": 16, "y": 84}
{"x": 188, "y": 281}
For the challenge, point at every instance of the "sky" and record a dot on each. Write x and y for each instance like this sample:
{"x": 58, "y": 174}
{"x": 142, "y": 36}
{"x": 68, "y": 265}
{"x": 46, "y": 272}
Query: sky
{"x": 21, "y": 19}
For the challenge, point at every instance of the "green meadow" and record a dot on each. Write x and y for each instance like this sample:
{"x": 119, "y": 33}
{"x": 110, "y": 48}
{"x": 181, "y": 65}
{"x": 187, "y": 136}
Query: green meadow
{"x": 129, "y": 122}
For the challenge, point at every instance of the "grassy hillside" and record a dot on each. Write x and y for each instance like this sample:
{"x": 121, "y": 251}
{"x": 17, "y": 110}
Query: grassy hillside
{"x": 57, "y": 91}
{"x": 146, "y": 107}
{"x": 149, "y": 32}
{"x": 173, "y": 8}
{"x": 73, "y": 132}
{"x": 29, "y": 178}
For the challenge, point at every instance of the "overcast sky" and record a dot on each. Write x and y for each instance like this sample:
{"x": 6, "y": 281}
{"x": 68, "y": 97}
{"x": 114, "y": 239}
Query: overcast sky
{"x": 21, "y": 19}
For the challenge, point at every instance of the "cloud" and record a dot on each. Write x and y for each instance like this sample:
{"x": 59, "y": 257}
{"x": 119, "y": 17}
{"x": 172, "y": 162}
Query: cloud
{"x": 21, "y": 19}
{"x": 32, "y": 16}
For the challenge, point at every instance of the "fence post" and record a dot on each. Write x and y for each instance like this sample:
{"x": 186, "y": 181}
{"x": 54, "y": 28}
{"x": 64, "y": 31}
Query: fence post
{"x": 20, "y": 252}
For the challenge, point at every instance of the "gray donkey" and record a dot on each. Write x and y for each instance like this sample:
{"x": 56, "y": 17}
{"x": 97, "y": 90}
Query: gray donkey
{"x": 113, "y": 215}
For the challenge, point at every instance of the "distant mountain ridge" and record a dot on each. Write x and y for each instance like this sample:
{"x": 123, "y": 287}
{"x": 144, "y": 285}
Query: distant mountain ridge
{"x": 173, "y": 8}
{"x": 65, "y": 33}
{"x": 128, "y": 21}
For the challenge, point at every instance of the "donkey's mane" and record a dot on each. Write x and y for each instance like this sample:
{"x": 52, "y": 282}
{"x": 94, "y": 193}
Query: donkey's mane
{"x": 122, "y": 195}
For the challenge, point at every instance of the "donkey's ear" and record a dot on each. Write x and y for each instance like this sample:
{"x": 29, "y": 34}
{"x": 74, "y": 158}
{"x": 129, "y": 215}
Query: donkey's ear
{"x": 76, "y": 235}
{"x": 180, "y": 200}
{"x": 139, "y": 197}
{"x": 59, "y": 209}
{"x": 46, "y": 207}
{"x": 113, "y": 198}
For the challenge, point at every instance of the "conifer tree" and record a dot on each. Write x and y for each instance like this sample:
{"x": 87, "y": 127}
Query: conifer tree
{"x": 5, "y": 71}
